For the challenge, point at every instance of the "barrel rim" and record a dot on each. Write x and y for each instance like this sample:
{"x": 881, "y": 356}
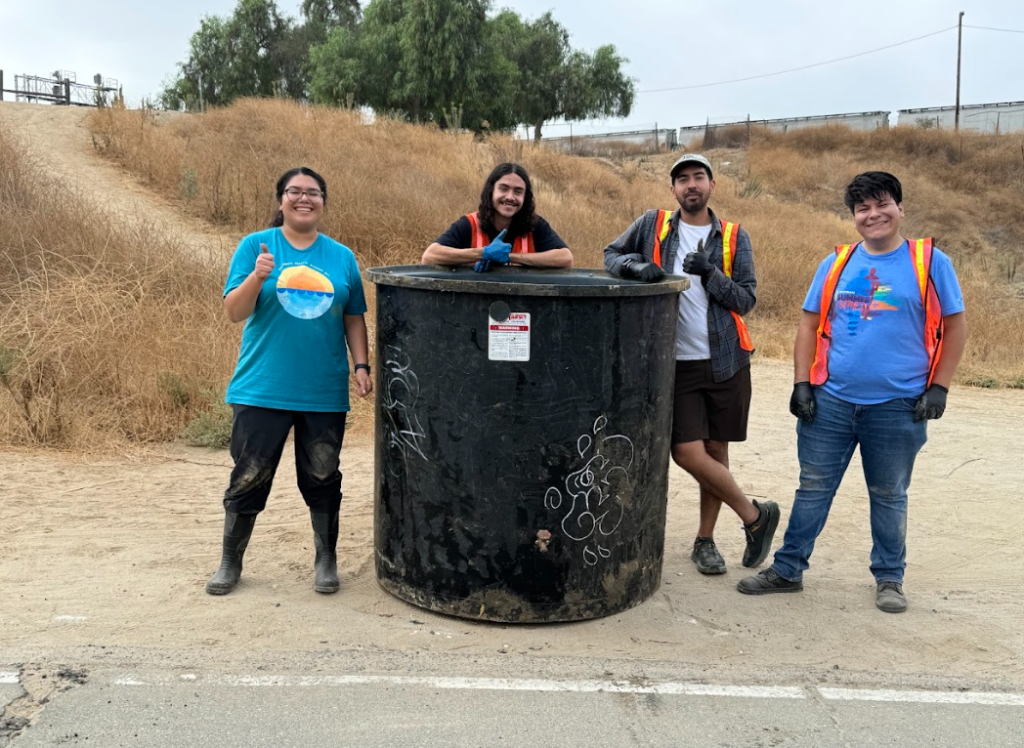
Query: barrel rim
{"x": 465, "y": 280}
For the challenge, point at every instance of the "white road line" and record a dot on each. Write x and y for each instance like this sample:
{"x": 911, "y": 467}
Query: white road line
{"x": 581, "y": 686}
{"x": 69, "y": 618}
{"x": 7, "y": 679}
{"x": 510, "y": 684}
{"x": 924, "y": 697}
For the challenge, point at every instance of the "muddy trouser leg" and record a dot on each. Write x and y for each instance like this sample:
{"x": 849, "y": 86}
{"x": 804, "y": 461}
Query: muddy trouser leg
{"x": 318, "y": 438}
{"x": 257, "y": 441}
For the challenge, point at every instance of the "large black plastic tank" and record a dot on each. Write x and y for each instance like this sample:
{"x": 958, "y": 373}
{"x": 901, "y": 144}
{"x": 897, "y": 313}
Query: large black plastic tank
{"x": 522, "y": 440}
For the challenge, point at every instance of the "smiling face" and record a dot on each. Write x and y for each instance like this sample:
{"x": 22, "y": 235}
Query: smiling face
{"x": 692, "y": 188}
{"x": 509, "y": 193}
{"x": 878, "y": 221}
{"x": 302, "y": 211}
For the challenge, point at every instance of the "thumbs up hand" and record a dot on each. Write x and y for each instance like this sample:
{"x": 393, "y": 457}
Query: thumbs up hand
{"x": 499, "y": 249}
{"x": 264, "y": 263}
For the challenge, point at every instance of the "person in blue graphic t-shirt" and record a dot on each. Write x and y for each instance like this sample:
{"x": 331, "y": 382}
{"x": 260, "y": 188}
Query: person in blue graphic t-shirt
{"x": 300, "y": 295}
{"x": 881, "y": 335}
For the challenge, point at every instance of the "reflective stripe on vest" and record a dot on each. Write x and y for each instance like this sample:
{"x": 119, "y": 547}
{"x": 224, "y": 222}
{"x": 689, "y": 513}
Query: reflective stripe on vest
{"x": 730, "y": 233}
{"x": 522, "y": 244}
{"x": 921, "y": 258}
{"x": 662, "y": 225}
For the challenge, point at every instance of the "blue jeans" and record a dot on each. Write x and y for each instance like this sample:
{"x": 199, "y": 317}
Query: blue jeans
{"x": 889, "y": 441}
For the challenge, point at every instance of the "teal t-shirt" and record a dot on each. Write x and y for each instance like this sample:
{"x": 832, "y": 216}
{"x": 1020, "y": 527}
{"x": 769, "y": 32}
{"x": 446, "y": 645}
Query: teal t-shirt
{"x": 293, "y": 354}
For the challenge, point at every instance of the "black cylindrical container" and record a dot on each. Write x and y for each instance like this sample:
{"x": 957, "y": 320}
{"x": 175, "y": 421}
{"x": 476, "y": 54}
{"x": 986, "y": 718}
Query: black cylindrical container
{"x": 522, "y": 440}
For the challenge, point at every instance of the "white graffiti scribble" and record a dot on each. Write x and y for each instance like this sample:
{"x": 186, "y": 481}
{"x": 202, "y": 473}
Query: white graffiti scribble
{"x": 401, "y": 393}
{"x": 595, "y": 511}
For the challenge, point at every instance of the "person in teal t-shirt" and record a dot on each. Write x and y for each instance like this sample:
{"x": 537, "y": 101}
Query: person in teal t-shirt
{"x": 300, "y": 295}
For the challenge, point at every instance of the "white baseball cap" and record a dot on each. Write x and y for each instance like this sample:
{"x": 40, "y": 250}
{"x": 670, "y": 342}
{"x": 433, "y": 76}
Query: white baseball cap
{"x": 690, "y": 158}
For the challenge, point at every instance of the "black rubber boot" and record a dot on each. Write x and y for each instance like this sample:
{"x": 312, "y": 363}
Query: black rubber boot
{"x": 237, "y": 531}
{"x": 325, "y": 537}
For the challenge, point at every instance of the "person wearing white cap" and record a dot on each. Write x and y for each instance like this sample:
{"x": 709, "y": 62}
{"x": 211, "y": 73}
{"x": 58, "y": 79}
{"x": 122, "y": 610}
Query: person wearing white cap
{"x": 712, "y": 386}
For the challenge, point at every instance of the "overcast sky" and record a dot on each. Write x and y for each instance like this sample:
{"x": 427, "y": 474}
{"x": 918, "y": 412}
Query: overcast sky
{"x": 669, "y": 44}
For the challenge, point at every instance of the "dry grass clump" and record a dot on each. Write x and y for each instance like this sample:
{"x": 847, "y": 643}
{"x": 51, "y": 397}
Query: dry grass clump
{"x": 108, "y": 332}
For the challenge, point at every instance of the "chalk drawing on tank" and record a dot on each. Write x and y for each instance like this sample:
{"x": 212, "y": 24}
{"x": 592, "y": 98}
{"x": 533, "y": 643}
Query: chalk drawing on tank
{"x": 403, "y": 430}
{"x": 592, "y": 493}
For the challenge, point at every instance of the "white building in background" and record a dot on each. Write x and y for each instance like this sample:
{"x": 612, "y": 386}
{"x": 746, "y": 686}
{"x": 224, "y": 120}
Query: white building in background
{"x": 656, "y": 139}
{"x": 1007, "y": 116}
{"x": 854, "y": 120}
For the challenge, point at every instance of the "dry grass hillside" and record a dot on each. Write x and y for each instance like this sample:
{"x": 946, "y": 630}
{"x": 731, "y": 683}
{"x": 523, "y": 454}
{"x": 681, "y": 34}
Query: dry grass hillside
{"x": 109, "y": 330}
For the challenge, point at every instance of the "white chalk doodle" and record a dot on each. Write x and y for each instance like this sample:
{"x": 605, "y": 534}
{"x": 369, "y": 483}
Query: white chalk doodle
{"x": 401, "y": 393}
{"x": 595, "y": 511}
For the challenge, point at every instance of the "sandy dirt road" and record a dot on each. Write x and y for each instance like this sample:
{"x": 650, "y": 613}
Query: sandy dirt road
{"x": 115, "y": 552}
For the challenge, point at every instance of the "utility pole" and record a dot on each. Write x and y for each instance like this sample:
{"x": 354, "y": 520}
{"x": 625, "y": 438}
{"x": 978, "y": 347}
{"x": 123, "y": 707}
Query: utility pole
{"x": 959, "y": 52}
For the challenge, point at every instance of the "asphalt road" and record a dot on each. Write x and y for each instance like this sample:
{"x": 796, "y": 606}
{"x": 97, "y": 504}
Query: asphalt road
{"x": 406, "y": 701}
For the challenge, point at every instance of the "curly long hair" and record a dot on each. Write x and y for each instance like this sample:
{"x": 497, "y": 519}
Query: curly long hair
{"x": 282, "y": 185}
{"x": 524, "y": 220}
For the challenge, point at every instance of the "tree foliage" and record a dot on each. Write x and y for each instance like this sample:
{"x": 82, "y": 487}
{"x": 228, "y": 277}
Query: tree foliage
{"x": 441, "y": 61}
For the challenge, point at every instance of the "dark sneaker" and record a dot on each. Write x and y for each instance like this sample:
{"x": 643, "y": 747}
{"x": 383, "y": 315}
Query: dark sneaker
{"x": 760, "y": 534}
{"x": 890, "y": 597}
{"x": 706, "y": 556}
{"x": 766, "y": 582}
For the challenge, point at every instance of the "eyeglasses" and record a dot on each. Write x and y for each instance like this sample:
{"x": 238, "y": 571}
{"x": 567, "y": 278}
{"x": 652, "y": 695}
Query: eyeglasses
{"x": 294, "y": 193}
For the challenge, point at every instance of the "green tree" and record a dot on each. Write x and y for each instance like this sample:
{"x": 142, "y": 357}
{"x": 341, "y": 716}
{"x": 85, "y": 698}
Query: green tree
{"x": 237, "y": 56}
{"x": 559, "y": 82}
{"x": 331, "y": 14}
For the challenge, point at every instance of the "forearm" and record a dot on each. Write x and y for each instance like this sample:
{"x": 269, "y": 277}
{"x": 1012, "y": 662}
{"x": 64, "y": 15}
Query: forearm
{"x": 438, "y": 254}
{"x": 735, "y": 295}
{"x": 553, "y": 258}
{"x": 954, "y": 340}
{"x": 804, "y": 347}
{"x": 357, "y": 339}
{"x": 241, "y": 301}
{"x": 624, "y": 250}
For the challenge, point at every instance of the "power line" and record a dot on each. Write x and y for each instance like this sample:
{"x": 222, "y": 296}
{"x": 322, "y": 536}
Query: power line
{"x": 802, "y": 67}
{"x": 990, "y": 28}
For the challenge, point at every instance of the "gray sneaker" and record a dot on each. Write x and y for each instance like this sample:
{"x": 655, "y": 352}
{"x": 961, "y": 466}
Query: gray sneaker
{"x": 706, "y": 556}
{"x": 890, "y": 598}
{"x": 767, "y": 582}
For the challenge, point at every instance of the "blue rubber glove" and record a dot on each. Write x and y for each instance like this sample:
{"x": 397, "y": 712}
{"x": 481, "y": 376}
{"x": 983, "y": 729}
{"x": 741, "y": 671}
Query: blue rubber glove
{"x": 482, "y": 266}
{"x": 499, "y": 249}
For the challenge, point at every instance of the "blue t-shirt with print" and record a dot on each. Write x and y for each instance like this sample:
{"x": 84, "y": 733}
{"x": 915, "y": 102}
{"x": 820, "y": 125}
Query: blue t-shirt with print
{"x": 877, "y": 352}
{"x": 293, "y": 354}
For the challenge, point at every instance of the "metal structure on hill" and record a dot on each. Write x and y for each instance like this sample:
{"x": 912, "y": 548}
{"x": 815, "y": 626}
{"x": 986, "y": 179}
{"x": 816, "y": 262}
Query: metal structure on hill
{"x": 61, "y": 88}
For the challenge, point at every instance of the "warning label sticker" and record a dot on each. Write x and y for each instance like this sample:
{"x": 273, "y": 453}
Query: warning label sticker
{"x": 509, "y": 340}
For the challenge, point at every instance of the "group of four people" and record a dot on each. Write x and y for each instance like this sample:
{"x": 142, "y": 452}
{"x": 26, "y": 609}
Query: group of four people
{"x": 880, "y": 337}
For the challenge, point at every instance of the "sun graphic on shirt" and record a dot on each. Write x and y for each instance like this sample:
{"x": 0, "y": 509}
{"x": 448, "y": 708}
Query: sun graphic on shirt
{"x": 304, "y": 292}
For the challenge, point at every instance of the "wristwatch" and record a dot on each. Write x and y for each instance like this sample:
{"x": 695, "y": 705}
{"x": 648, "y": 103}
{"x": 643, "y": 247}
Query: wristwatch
{"x": 357, "y": 367}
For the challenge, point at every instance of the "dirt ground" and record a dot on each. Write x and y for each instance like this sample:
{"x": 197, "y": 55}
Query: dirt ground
{"x": 60, "y": 142}
{"x": 116, "y": 552}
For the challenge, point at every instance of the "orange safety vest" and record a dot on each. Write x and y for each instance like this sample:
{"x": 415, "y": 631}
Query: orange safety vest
{"x": 921, "y": 257}
{"x": 730, "y": 232}
{"x": 522, "y": 244}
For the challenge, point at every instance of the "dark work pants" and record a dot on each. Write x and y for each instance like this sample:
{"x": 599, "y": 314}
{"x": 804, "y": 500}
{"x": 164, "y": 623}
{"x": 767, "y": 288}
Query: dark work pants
{"x": 257, "y": 442}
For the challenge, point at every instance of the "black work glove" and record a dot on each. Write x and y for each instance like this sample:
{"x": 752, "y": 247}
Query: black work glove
{"x": 932, "y": 404}
{"x": 697, "y": 263}
{"x": 648, "y": 272}
{"x": 801, "y": 402}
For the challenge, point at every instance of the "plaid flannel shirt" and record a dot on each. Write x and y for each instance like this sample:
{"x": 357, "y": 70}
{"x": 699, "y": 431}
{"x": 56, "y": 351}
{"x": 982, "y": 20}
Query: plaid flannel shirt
{"x": 725, "y": 295}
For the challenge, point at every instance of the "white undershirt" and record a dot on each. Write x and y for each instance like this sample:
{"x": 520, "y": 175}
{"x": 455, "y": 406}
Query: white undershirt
{"x": 692, "y": 328}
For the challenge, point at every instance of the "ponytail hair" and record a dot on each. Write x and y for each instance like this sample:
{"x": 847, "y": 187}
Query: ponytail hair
{"x": 282, "y": 185}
